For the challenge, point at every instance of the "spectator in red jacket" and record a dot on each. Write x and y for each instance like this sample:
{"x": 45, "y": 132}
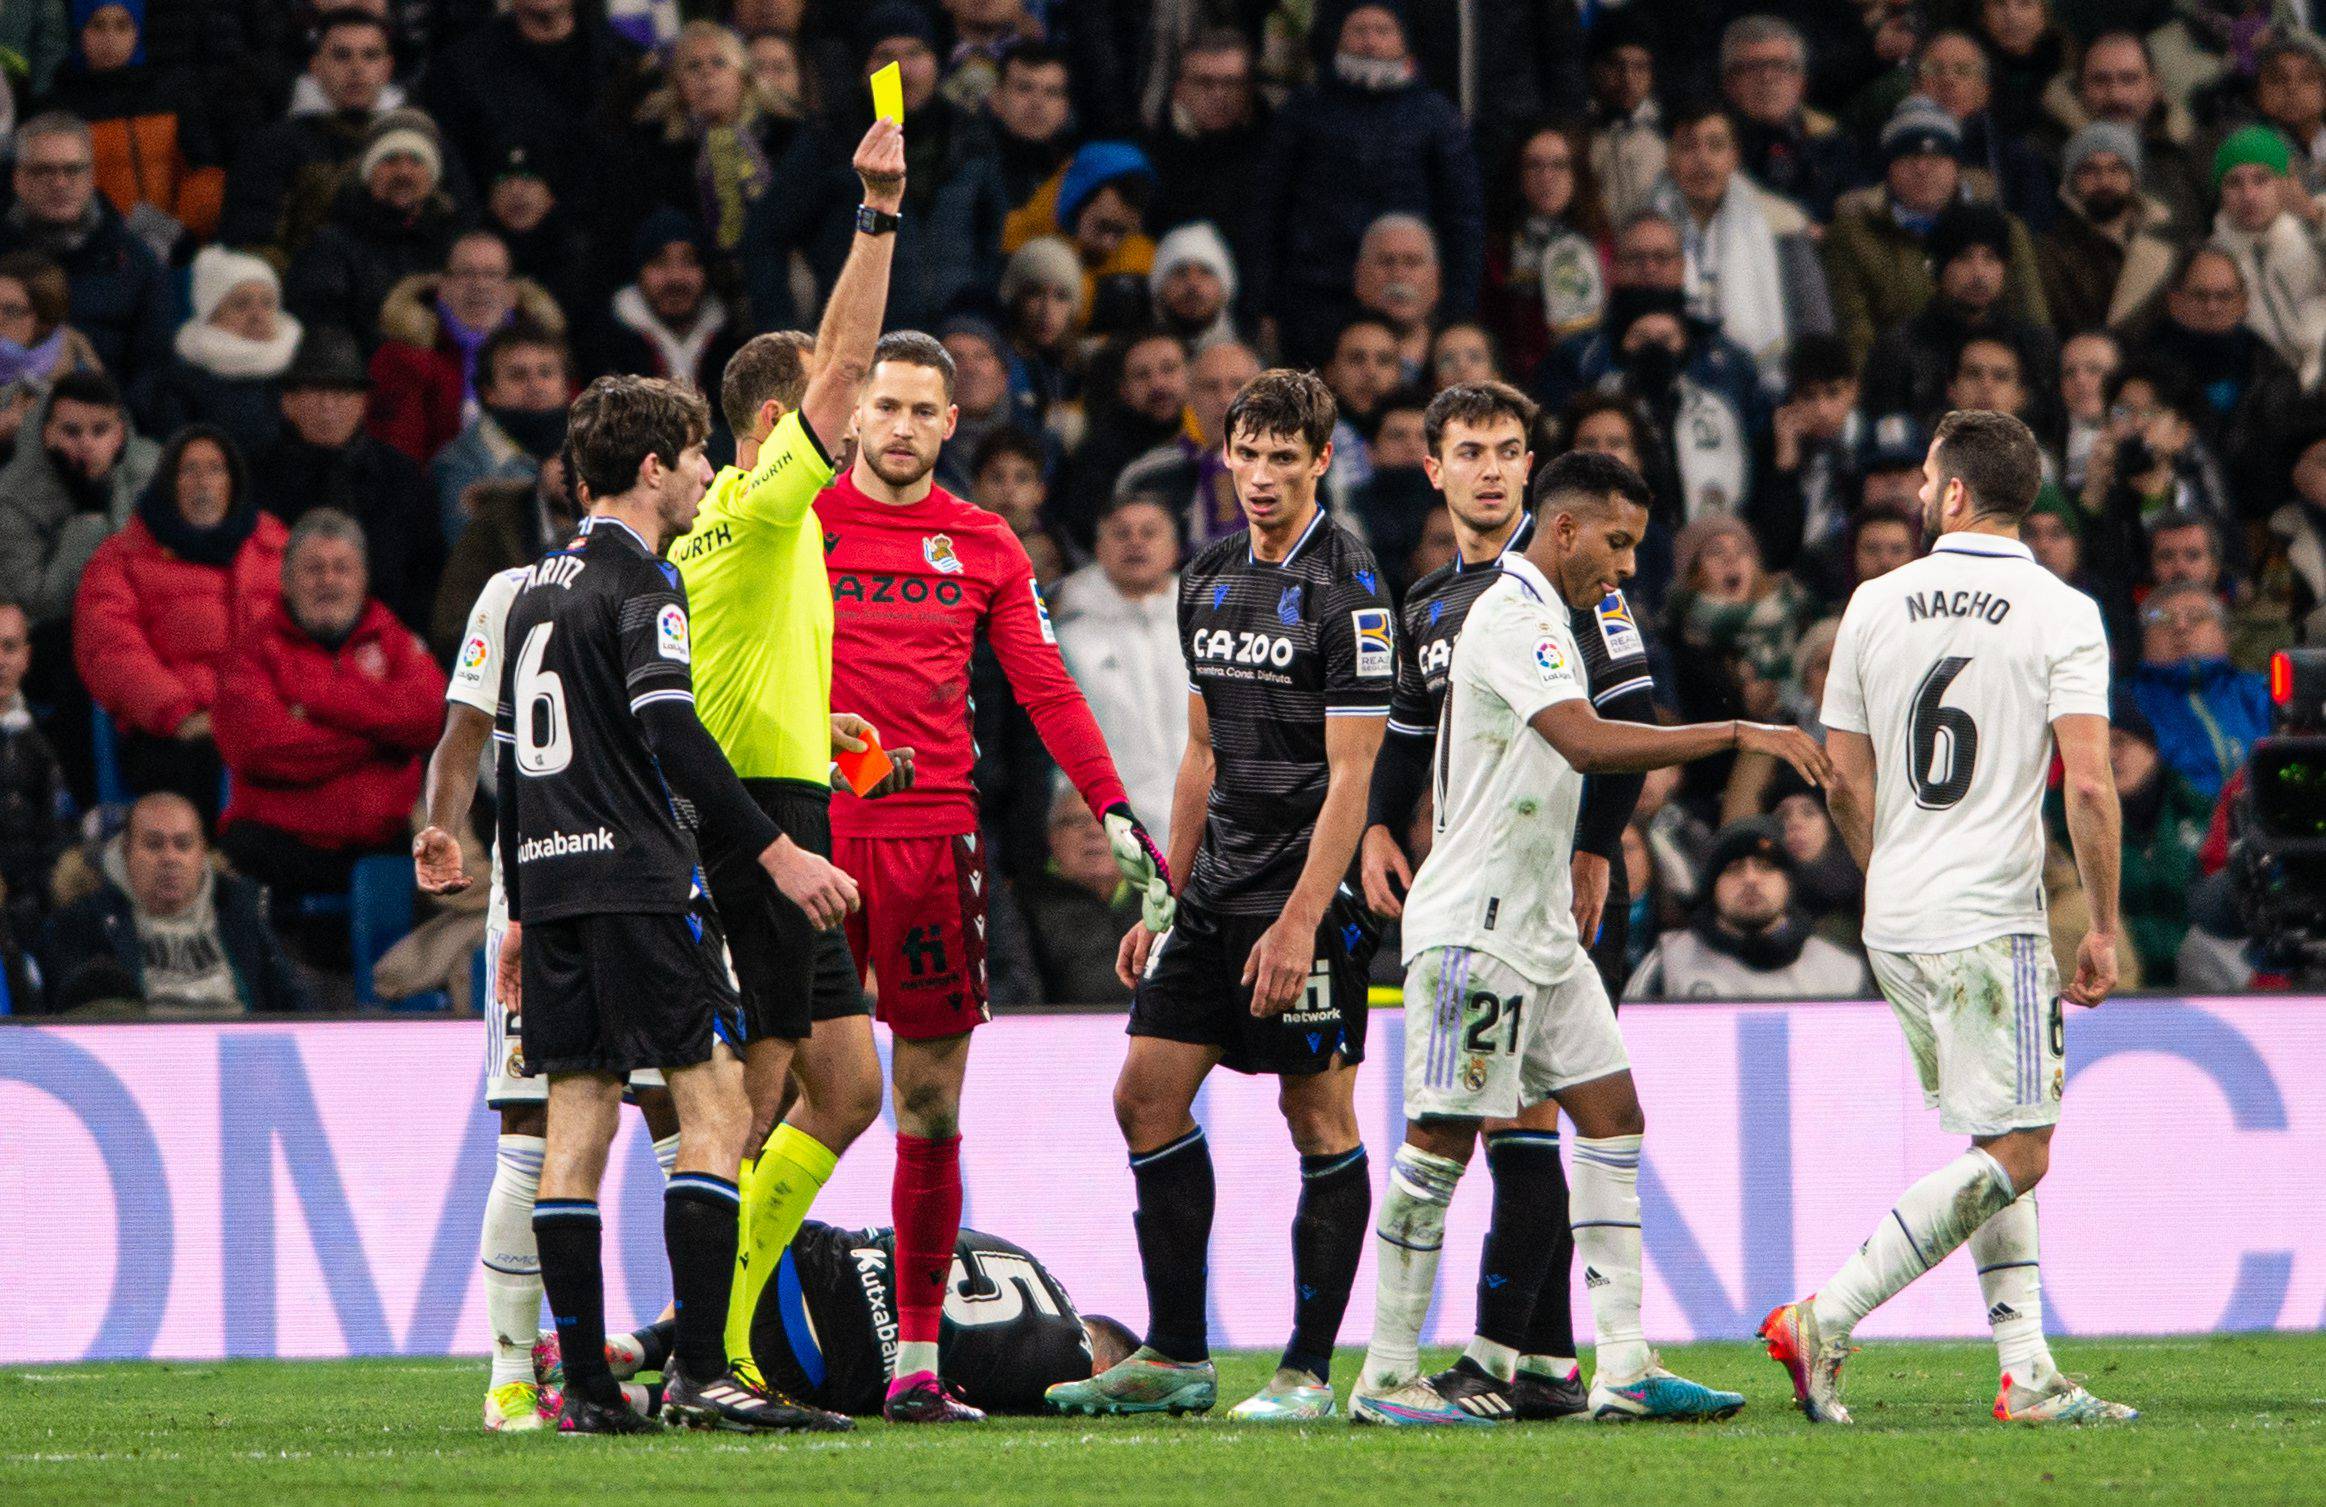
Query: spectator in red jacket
{"x": 162, "y": 602}
{"x": 328, "y": 705}
{"x": 433, "y": 327}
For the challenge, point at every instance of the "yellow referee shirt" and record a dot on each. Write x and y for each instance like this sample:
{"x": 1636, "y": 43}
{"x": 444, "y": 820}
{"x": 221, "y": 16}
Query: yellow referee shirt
{"x": 762, "y": 611}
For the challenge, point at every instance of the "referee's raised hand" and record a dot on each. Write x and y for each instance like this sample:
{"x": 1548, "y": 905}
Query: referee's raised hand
{"x": 880, "y": 163}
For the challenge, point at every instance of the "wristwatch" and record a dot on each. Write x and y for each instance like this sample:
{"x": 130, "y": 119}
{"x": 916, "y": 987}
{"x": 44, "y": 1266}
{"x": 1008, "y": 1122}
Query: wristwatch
{"x": 870, "y": 221}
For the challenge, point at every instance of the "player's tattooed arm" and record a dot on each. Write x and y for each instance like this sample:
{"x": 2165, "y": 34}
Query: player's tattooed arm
{"x": 1849, "y": 797}
{"x": 451, "y": 788}
{"x": 2096, "y": 831}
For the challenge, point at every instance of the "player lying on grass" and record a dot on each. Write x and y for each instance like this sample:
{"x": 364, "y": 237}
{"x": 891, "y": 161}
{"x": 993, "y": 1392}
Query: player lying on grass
{"x": 1479, "y": 460}
{"x": 1953, "y": 680}
{"x": 824, "y": 1329}
{"x": 1502, "y": 1006}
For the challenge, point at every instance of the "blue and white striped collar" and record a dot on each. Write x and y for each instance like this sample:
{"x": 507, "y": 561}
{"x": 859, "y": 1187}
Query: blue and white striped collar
{"x": 1519, "y": 539}
{"x": 1316, "y": 525}
{"x": 1989, "y": 546}
{"x": 601, "y": 520}
{"x": 1538, "y": 585}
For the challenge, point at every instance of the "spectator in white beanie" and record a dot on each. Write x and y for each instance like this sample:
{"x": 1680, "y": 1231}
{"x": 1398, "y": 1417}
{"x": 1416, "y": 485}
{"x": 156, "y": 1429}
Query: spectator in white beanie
{"x": 232, "y": 354}
{"x": 1193, "y": 284}
{"x": 1044, "y": 304}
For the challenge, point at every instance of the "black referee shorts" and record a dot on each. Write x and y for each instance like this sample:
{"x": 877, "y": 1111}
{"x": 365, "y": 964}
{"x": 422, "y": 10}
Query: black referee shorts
{"x": 1194, "y": 991}
{"x": 792, "y": 975}
{"x": 622, "y": 990}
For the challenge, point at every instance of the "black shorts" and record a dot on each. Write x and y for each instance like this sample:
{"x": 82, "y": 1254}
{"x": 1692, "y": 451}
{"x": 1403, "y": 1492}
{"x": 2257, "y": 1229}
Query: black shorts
{"x": 1194, "y": 991}
{"x": 791, "y": 974}
{"x": 622, "y": 990}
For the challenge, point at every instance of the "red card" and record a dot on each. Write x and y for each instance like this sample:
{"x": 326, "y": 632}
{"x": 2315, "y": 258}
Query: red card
{"x": 865, "y": 770}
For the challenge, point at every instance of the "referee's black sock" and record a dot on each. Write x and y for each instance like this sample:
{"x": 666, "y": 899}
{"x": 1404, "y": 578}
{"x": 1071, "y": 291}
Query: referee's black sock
{"x": 565, "y": 1231}
{"x": 700, "y": 1218}
{"x": 1176, "y": 1194}
{"x": 1328, "y": 1235}
{"x": 1530, "y": 1219}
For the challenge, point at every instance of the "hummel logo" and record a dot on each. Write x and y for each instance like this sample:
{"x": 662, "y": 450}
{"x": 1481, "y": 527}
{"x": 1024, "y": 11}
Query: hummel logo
{"x": 2001, "y": 1312}
{"x": 1593, "y": 1278}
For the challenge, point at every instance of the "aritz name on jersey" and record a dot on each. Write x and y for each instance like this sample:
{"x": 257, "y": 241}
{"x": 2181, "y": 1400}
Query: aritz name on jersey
{"x": 565, "y": 844}
{"x": 1984, "y": 605}
{"x": 880, "y": 586}
{"x": 1229, "y": 646}
{"x": 553, "y": 570}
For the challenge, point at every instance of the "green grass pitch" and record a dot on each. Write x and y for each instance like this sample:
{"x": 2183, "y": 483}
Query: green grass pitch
{"x": 2232, "y": 1419}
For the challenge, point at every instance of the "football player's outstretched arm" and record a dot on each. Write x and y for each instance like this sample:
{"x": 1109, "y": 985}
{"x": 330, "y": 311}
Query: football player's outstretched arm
{"x": 1190, "y": 795}
{"x": 451, "y": 788}
{"x": 1594, "y": 745}
{"x": 1849, "y": 797}
{"x": 2095, "y": 829}
{"x": 852, "y": 315}
{"x": 1277, "y": 968}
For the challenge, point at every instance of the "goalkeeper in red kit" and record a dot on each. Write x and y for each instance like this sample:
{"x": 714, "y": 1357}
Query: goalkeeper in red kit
{"x": 916, "y": 572}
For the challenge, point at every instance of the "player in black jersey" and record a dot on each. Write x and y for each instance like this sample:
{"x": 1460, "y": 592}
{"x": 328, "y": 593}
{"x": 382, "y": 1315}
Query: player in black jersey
{"x": 615, "y": 957}
{"x": 825, "y": 1328}
{"x": 1477, "y": 438}
{"x": 1291, "y": 647}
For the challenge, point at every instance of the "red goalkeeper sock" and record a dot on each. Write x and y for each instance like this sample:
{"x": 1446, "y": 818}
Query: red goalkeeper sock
{"x": 925, "y": 1206}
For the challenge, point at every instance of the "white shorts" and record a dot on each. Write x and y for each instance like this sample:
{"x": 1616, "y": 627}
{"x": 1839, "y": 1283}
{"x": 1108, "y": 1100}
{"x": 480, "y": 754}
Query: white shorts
{"x": 1986, "y": 1029}
{"x": 1483, "y": 1041}
{"x": 507, "y": 1084}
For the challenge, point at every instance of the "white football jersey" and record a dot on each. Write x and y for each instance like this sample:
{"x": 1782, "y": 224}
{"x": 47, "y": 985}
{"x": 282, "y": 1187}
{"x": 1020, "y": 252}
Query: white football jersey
{"x": 1496, "y": 878}
{"x": 476, "y": 682}
{"x": 1955, "y": 666}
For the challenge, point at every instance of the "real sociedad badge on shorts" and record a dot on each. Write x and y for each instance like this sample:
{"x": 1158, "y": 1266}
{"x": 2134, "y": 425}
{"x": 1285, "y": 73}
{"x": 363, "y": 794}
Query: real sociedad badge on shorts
{"x": 937, "y": 549}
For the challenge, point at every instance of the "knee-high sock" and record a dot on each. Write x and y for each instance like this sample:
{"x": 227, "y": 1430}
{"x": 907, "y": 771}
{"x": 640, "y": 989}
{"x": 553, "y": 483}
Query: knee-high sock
{"x": 511, "y": 1260}
{"x": 1604, "y": 1200}
{"x": 1516, "y": 1266}
{"x": 1935, "y": 1215}
{"x": 778, "y": 1187}
{"x": 2004, "y": 1248}
{"x": 1328, "y": 1235}
{"x": 1173, "y": 1219}
{"x": 566, "y": 1229}
{"x": 925, "y": 1204}
{"x": 699, "y": 1224}
{"x": 1406, "y": 1241}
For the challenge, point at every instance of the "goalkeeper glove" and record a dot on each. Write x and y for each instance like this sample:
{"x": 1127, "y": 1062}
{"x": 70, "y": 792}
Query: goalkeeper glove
{"x": 1143, "y": 866}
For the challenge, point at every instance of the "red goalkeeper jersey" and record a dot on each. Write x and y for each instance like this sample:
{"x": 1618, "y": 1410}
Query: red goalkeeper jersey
{"x": 911, "y": 586}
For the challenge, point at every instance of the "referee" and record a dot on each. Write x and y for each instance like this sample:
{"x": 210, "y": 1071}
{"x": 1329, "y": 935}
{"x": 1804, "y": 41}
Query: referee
{"x": 754, "y": 572}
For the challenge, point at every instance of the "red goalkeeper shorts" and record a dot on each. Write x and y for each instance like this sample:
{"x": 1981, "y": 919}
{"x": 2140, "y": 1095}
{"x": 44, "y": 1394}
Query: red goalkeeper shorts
{"x": 921, "y": 931}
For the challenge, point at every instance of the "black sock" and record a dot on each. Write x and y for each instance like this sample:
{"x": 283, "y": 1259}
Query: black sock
{"x": 1328, "y": 1235}
{"x": 1176, "y": 1194}
{"x": 565, "y": 1230}
{"x": 655, "y": 1343}
{"x": 1530, "y": 1219}
{"x": 1550, "y": 1330}
{"x": 699, "y": 1213}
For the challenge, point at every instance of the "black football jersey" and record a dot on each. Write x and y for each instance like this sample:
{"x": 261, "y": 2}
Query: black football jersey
{"x": 1275, "y": 649}
{"x": 597, "y": 631}
{"x": 1615, "y": 657}
{"x": 825, "y": 1330}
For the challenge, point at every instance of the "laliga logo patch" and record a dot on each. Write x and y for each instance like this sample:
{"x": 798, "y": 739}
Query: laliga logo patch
{"x": 473, "y": 652}
{"x": 1376, "y": 646}
{"x": 1617, "y": 629}
{"x": 937, "y": 549}
{"x": 1550, "y": 660}
{"x": 670, "y": 633}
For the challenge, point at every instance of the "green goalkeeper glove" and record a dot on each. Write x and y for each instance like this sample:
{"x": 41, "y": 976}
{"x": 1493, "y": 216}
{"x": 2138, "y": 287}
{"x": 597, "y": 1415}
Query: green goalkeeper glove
{"x": 1143, "y": 865}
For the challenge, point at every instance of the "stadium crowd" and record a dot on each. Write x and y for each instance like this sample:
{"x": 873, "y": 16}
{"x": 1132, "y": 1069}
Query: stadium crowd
{"x": 293, "y": 299}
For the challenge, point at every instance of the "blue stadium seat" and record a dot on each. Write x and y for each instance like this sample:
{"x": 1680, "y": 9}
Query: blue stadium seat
{"x": 105, "y": 748}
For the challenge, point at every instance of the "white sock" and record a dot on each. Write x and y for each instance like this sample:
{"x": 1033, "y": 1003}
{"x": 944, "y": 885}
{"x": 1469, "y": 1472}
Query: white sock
{"x": 1935, "y": 1215}
{"x": 666, "y": 1154}
{"x": 1603, "y": 1203}
{"x": 1497, "y": 1360}
{"x": 914, "y": 1357}
{"x": 1406, "y": 1240}
{"x": 512, "y": 1264}
{"x": 1556, "y": 1367}
{"x": 2004, "y": 1250}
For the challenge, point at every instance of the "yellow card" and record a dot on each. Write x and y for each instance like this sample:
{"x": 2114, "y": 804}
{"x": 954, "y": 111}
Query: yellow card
{"x": 888, "y": 94}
